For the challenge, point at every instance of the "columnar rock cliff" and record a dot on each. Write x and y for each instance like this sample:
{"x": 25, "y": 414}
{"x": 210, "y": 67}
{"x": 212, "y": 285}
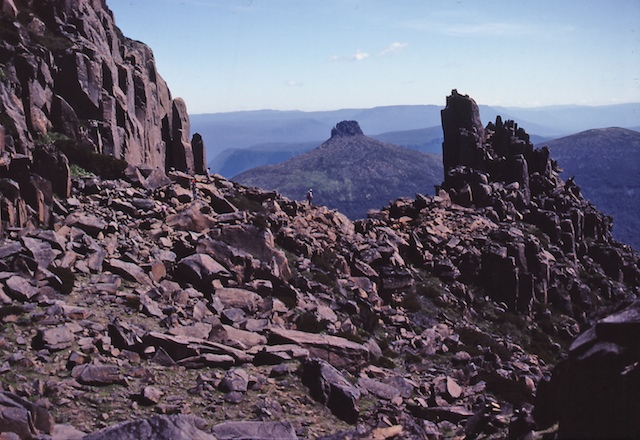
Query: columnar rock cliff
{"x": 68, "y": 74}
{"x": 497, "y": 171}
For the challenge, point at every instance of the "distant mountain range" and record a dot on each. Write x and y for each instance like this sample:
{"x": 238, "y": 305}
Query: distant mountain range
{"x": 606, "y": 165}
{"x": 351, "y": 172}
{"x": 255, "y": 138}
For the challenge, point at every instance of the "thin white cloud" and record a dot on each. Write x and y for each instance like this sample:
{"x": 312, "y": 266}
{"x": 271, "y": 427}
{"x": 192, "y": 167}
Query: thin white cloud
{"x": 359, "y": 56}
{"x": 292, "y": 83}
{"x": 393, "y": 48}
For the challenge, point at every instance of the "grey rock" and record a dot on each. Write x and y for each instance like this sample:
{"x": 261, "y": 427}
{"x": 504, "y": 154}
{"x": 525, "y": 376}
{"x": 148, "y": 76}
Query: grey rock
{"x": 340, "y": 352}
{"x": 201, "y": 269}
{"x": 22, "y": 417}
{"x": 98, "y": 375}
{"x": 90, "y": 224}
{"x": 235, "y": 380}
{"x": 130, "y": 271}
{"x": 174, "y": 427}
{"x": 329, "y": 387}
{"x": 20, "y": 288}
{"x": 57, "y": 338}
{"x": 380, "y": 389}
{"x": 42, "y": 251}
{"x": 254, "y": 431}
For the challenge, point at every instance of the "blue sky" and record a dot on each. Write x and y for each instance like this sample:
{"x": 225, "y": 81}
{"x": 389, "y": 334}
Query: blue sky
{"x": 229, "y": 55}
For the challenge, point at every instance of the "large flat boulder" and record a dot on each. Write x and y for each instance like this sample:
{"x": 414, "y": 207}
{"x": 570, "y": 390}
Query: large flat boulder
{"x": 339, "y": 352}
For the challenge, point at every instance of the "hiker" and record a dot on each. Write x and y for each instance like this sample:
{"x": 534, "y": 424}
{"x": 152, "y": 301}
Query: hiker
{"x": 194, "y": 188}
{"x": 310, "y": 196}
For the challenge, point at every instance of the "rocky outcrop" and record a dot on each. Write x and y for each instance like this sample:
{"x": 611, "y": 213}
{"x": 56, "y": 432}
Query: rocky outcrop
{"x": 463, "y": 133}
{"x": 67, "y": 70}
{"x": 594, "y": 392}
{"x": 72, "y": 85}
{"x": 498, "y": 171}
{"x": 346, "y": 128}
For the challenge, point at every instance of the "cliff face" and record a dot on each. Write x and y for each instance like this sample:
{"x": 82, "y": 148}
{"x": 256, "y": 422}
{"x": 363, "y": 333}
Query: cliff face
{"x": 67, "y": 70}
{"x": 73, "y": 89}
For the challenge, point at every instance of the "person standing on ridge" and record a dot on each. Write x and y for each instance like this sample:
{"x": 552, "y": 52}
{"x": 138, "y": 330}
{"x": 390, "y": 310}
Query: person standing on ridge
{"x": 194, "y": 188}
{"x": 310, "y": 196}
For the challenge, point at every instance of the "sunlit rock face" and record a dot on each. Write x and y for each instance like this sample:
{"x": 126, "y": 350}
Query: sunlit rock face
{"x": 68, "y": 70}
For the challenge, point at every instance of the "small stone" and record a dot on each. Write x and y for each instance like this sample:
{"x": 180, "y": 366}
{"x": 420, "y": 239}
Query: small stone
{"x": 151, "y": 395}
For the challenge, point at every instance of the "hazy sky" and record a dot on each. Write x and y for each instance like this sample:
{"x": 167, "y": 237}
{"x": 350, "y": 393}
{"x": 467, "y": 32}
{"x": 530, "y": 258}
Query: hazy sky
{"x": 227, "y": 55}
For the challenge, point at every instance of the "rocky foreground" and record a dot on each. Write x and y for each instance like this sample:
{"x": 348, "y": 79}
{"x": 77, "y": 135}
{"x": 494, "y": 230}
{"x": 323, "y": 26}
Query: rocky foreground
{"x": 149, "y": 313}
{"x": 136, "y": 306}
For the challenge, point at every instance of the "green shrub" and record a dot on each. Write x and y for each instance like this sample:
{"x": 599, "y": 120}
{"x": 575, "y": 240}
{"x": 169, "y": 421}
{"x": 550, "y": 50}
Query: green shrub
{"x": 107, "y": 167}
{"x": 77, "y": 171}
{"x": 411, "y": 302}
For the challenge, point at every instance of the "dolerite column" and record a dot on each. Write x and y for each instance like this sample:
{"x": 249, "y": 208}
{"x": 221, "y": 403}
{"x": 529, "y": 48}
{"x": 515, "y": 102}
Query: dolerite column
{"x": 463, "y": 133}
{"x": 181, "y": 151}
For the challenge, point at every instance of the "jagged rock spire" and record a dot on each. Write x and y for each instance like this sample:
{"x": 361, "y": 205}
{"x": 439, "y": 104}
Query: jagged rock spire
{"x": 463, "y": 132}
{"x": 346, "y": 128}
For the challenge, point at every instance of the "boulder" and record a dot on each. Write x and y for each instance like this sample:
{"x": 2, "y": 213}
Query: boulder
{"x": 173, "y": 427}
{"x": 238, "y": 298}
{"x": 89, "y": 223}
{"x": 201, "y": 269}
{"x": 595, "y": 392}
{"x": 247, "y": 430}
{"x": 329, "y": 387}
{"x": 235, "y": 380}
{"x": 21, "y": 288}
{"x": 129, "y": 271}
{"x": 57, "y": 338}
{"x": 196, "y": 217}
{"x": 26, "y": 419}
{"x": 339, "y": 352}
{"x": 98, "y": 375}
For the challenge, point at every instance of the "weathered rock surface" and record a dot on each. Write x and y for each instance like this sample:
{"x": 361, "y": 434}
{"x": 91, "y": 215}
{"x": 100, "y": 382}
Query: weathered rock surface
{"x": 19, "y": 416}
{"x": 330, "y": 388}
{"x": 594, "y": 392}
{"x": 254, "y": 431}
{"x": 155, "y": 428}
{"x": 74, "y": 87}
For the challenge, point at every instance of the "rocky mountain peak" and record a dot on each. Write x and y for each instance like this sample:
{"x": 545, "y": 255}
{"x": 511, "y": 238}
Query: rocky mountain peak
{"x": 346, "y": 128}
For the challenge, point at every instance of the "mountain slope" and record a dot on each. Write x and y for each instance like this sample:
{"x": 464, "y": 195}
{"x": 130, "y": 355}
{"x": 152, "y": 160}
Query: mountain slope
{"x": 236, "y": 160}
{"x": 606, "y": 165}
{"x": 350, "y": 172}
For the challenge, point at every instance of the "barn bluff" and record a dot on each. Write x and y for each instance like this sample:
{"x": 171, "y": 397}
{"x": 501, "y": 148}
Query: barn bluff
{"x": 500, "y": 307}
